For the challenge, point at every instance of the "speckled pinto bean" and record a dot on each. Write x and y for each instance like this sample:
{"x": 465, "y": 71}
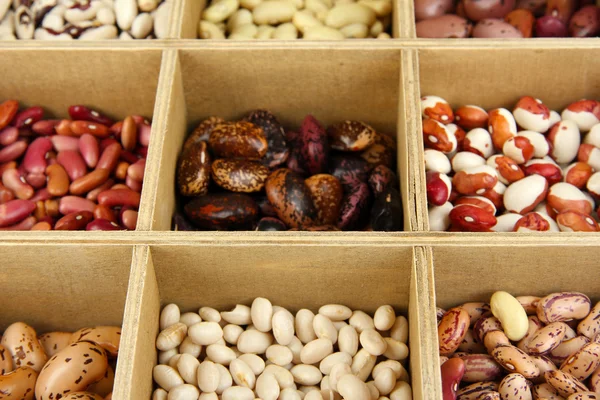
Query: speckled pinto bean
{"x": 583, "y": 363}
{"x": 547, "y": 338}
{"x": 590, "y": 325}
{"x": 484, "y": 325}
{"x": 564, "y": 383}
{"x": 564, "y": 306}
{"x": 473, "y": 391}
{"x": 480, "y": 367}
{"x": 514, "y": 386}
{"x": 514, "y": 359}
{"x": 452, "y": 330}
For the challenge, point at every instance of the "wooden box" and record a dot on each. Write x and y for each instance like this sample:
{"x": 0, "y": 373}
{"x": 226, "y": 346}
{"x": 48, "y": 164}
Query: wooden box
{"x": 64, "y": 280}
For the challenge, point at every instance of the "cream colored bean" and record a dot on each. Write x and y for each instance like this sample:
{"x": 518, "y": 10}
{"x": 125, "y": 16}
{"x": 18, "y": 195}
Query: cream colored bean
{"x": 160, "y": 394}
{"x": 220, "y": 354}
{"x": 283, "y": 376}
{"x": 208, "y": 396}
{"x": 240, "y": 315}
{"x": 189, "y": 347}
{"x": 399, "y": 330}
{"x": 279, "y": 355}
{"x": 161, "y": 20}
{"x": 335, "y": 312}
{"x": 190, "y": 318}
{"x": 316, "y": 350}
{"x": 296, "y": 347}
{"x": 337, "y": 371}
{"x": 336, "y": 358}
{"x": 362, "y": 364}
{"x": 231, "y": 333}
{"x": 171, "y": 337}
{"x": 339, "y": 325}
{"x": 384, "y": 318}
{"x": 355, "y": 31}
{"x": 256, "y": 364}
{"x": 317, "y": 6}
{"x": 242, "y": 374}
{"x": 283, "y": 327}
{"x": 361, "y": 321}
{"x": 306, "y": 374}
{"x": 239, "y": 18}
{"x": 166, "y": 377}
{"x": 142, "y": 26}
{"x": 265, "y": 32}
{"x": 273, "y": 12}
{"x": 209, "y": 314}
{"x": 352, "y": 388}
{"x": 267, "y": 387}
{"x": 385, "y": 381}
{"x": 225, "y": 379}
{"x": 373, "y": 390}
{"x": 322, "y": 33}
{"x": 254, "y": 341}
{"x": 325, "y": 383}
{"x": 289, "y": 394}
{"x": 169, "y": 316}
{"x": 250, "y": 4}
{"x": 402, "y": 391}
{"x": 187, "y": 366}
{"x": 147, "y": 5}
{"x": 304, "y": 325}
{"x": 286, "y": 31}
{"x": 184, "y": 392}
{"x": 174, "y": 360}
{"x": 346, "y": 14}
{"x": 165, "y": 356}
{"x": 205, "y": 333}
{"x": 382, "y": 8}
{"x": 395, "y": 350}
{"x": 372, "y": 341}
{"x": 262, "y": 310}
{"x": 242, "y": 32}
{"x": 218, "y": 12}
{"x": 384, "y": 35}
{"x": 399, "y": 371}
{"x": 324, "y": 328}
{"x": 511, "y": 315}
{"x": 305, "y": 19}
{"x": 348, "y": 340}
{"x": 126, "y": 11}
{"x": 208, "y": 30}
{"x": 313, "y": 395}
{"x": 238, "y": 392}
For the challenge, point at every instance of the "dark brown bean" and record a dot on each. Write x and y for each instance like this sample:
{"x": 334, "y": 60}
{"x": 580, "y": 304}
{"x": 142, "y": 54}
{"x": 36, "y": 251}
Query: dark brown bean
{"x": 291, "y": 198}
{"x": 238, "y": 139}
{"x": 380, "y": 178}
{"x": 387, "y": 212}
{"x": 222, "y": 211}
{"x": 327, "y": 193}
{"x": 270, "y": 224}
{"x": 239, "y": 175}
{"x": 351, "y": 136}
{"x": 314, "y": 147}
{"x": 585, "y": 22}
{"x": 203, "y": 130}
{"x": 193, "y": 169}
{"x": 278, "y": 151}
{"x": 355, "y": 207}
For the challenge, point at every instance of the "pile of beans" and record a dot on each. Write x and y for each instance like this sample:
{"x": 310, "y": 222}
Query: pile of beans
{"x": 226, "y": 168}
{"x": 58, "y": 365}
{"x": 293, "y": 19}
{"x": 263, "y": 351}
{"x": 84, "y": 173}
{"x": 528, "y": 170}
{"x": 521, "y": 348}
{"x": 507, "y": 18}
{"x": 83, "y": 19}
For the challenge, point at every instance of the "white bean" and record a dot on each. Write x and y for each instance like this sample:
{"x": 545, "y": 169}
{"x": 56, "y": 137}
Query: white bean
{"x": 283, "y": 327}
{"x": 348, "y": 340}
{"x": 304, "y": 326}
{"x": 240, "y": 17}
{"x": 335, "y": 312}
{"x": 355, "y": 31}
{"x": 395, "y": 350}
{"x": 169, "y": 316}
{"x": 208, "y": 396}
{"x": 165, "y": 356}
{"x": 242, "y": 374}
{"x": 255, "y": 363}
{"x": 286, "y": 31}
{"x": 384, "y": 318}
{"x": 265, "y": 32}
{"x": 218, "y": 12}
{"x": 316, "y": 350}
{"x": 142, "y": 26}
{"x": 273, "y": 12}
{"x": 205, "y": 333}
{"x": 126, "y": 11}
{"x": 402, "y": 391}
{"x": 306, "y": 374}
{"x": 184, "y": 392}
{"x": 279, "y": 355}
{"x": 240, "y": 315}
{"x": 283, "y": 376}
{"x": 385, "y": 381}
{"x": 231, "y": 333}
{"x": 244, "y": 32}
{"x": 318, "y": 32}
{"x": 208, "y": 376}
{"x": 267, "y": 387}
{"x": 324, "y": 328}
{"x": 296, "y": 347}
{"x": 372, "y": 341}
{"x": 361, "y": 321}
{"x": 362, "y": 364}
{"x": 225, "y": 379}
{"x": 187, "y": 367}
{"x": 171, "y": 337}
{"x": 160, "y": 394}
{"x": 382, "y": 8}
{"x": 220, "y": 354}
{"x": 304, "y": 19}
{"x": 238, "y": 392}
{"x": 337, "y": 371}
{"x": 289, "y": 394}
{"x": 336, "y": 358}
{"x": 208, "y": 30}
{"x": 174, "y": 360}
{"x": 352, "y": 388}
{"x": 190, "y": 318}
{"x": 254, "y": 341}
{"x": 166, "y": 377}
{"x": 351, "y": 13}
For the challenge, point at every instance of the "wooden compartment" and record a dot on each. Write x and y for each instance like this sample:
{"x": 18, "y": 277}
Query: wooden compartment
{"x": 222, "y": 276}
{"x": 344, "y": 83}
{"x": 497, "y": 76}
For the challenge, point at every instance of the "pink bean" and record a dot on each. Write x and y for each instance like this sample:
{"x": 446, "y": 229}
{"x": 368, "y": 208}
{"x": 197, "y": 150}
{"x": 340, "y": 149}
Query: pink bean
{"x": 129, "y": 219}
{"x": 36, "y": 180}
{"x": 110, "y": 157}
{"x": 136, "y": 170}
{"x": 89, "y": 149}
{"x": 8, "y": 135}
{"x": 103, "y": 225}
{"x": 35, "y": 156}
{"x": 13, "y": 151}
{"x": 74, "y": 204}
{"x": 15, "y": 211}
{"x": 133, "y": 184}
{"x": 41, "y": 194}
{"x": 24, "y": 225}
{"x": 28, "y": 117}
{"x": 65, "y": 143}
{"x": 119, "y": 197}
{"x": 6, "y": 194}
{"x": 104, "y": 143}
{"x": 139, "y": 120}
{"x": 11, "y": 178}
{"x": 45, "y": 127}
{"x": 144, "y": 134}
{"x": 72, "y": 163}
{"x": 93, "y": 194}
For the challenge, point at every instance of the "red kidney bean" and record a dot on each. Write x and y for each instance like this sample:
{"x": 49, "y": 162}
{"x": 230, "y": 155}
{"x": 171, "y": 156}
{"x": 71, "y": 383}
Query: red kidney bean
{"x": 42, "y": 226}
{"x": 140, "y": 120}
{"x": 73, "y": 204}
{"x": 64, "y": 128}
{"x": 102, "y": 225}
{"x": 65, "y": 143}
{"x": 550, "y": 26}
{"x": 452, "y": 373}
{"x": 129, "y": 134}
{"x": 45, "y": 127}
{"x": 8, "y": 165}
{"x": 28, "y": 117}
{"x": 119, "y": 197}
{"x": 6, "y": 194}
{"x": 42, "y": 194}
{"x": 35, "y": 156}
{"x": 141, "y": 151}
{"x": 129, "y": 157}
{"x": 93, "y": 194}
{"x": 73, "y": 163}
{"x": 13, "y": 151}
{"x": 8, "y": 110}
{"x": 79, "y": 112}
{"x": 58, "y": 180}
{"x": 89, "y": 149}
{"x": 104, "y": 143}
{"x": 52, "y": 207}
{"x": 9, "y": 135}
{"x": 24, "y": 225}
{"x": 133, "y": 184}
{"x": 104, "y": 212}
{"x": 136, "y": 170}
{"x": 89, "y": 181}
{"x": 12, "y": 180}
{"x": 74, "y": 221}
{"x": 129, "y": 219}
{"x": 116, "y": 128}
{"x": 144, "y": 132}
{"x": 15, "y": 211}
{"x": 121, "y": 171}
{"x": 38, "y": 181}
{"x": 81, "y": 127}
{"x": 110, "y": 157}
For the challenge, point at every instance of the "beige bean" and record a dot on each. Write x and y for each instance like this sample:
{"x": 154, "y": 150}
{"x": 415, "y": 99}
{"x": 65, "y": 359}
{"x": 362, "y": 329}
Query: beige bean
{"x": 220, "y": 354}
{"x": 296, "y": 347}
{"x": 376, "y": 29}
{"x": 286, "y": 31}
{"x": 160, "y": 394}
{"x": 395, "y": 350}
{"x": 244, "y": 32}
{"x": 372, "y": 341}
{"x": 250, "y": 4}
{"x": 384, "y": 35}
{"x": 313, "y": 395}
{"x": 189, "y": 347}
{"x": 384, "y": 318}
{"x": 385, "y": 381}
{"x": 265, "y": 32}
{"x": 346, "y": 14}
{"x": 279, "y": 355}
{"x": 262, "y": 310}
{"x": 184, "y": 392}
{"x": 402, "y": 391}
{"x": 352, "y": 388}
{"x": 166, "y": 377}
{"x": 238, "y": 392}
{"x": 283, "y": 376}
{"x": 187, "y": 367}
{"x": 317, "y": 6}
{"x": 306, "y": 374}
{"x": 240, "y": 315}
{"x": 324, "y": 328}
{"x": 142, "y": 26}
{"x": 240, "y": 17}
{"x": 208, "y": 30}
{"x": 283, "y": 327}
{"x": 400, "y": 372}
{"x": 290, "y": 394}
{"x": 208, "y": 396}
{"x": 355, "y": 31}
{"x": 171, "y": 337}
{"x": 218, "y": 12}
{"x": 399, "y": 330}
{"x": 510, "y": 313}
{"x": 267, "y": 387}
{"x": 169, "y": 315}
{"x": 348, "y": 340}
{"x": 382, "y": 8}
{"x": 225, "y": 379}
{"x": 205, "y": 333}
{"x": 374, "y": 392}
{"x": 161, "y": 20}
{"x": 165, "y": 356}
{"x": 336, "y": 358}
{"x": 190, "y": 318}
{"x": 335, "y": 312}
{"x": 209, "y": 314}
{"x": 305, "y": 19}
{"x": 304, "y": 325}
{"x": 256, "y": 364}
{"x": 319, "y": 32}
{"x": 174, "y": 360}
{"x": 273, "y": 12}
{"x": 337, "y": 371}
{"x": 361, "y": 321}
{"x": 362, "y": 364}
{"x": 231, "y": 333}
{"x": 316, "y": 350}
{"x": 242, "y": 374}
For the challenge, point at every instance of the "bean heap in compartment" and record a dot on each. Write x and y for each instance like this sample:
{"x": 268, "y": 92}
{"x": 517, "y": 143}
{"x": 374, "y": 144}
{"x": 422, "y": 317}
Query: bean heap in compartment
{"x": 531, "y": 169}
{"x": 253, "y": 174}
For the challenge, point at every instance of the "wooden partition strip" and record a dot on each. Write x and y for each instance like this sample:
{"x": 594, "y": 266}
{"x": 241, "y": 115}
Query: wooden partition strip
{"x": 410, "y": 109}
{"x": 151, "y": 198}
{"x": 404, "y": 19}
{"x": 137, "y": 355}
{"x": 427, "y": 360}
{"x": 176, "y": 17}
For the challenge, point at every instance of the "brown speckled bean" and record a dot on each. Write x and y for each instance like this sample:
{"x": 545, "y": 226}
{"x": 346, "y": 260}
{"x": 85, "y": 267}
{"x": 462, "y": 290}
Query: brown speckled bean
{"x": 480, "y": 367}
{"x": 565, "y": 384}
{"x": 476, "y": 310}
{"x": 547, "y": 338}
{"x": 568, "y": 347}
{"x": 590, "y": 325}
{"x": 514, "y": 359}
{"x": 514, "y": 386}
{"x": 584, "y": 362}
{"x": 563, "y": 306}
{"x": 473, "y": 391}
{"x": 452, "y": 330}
